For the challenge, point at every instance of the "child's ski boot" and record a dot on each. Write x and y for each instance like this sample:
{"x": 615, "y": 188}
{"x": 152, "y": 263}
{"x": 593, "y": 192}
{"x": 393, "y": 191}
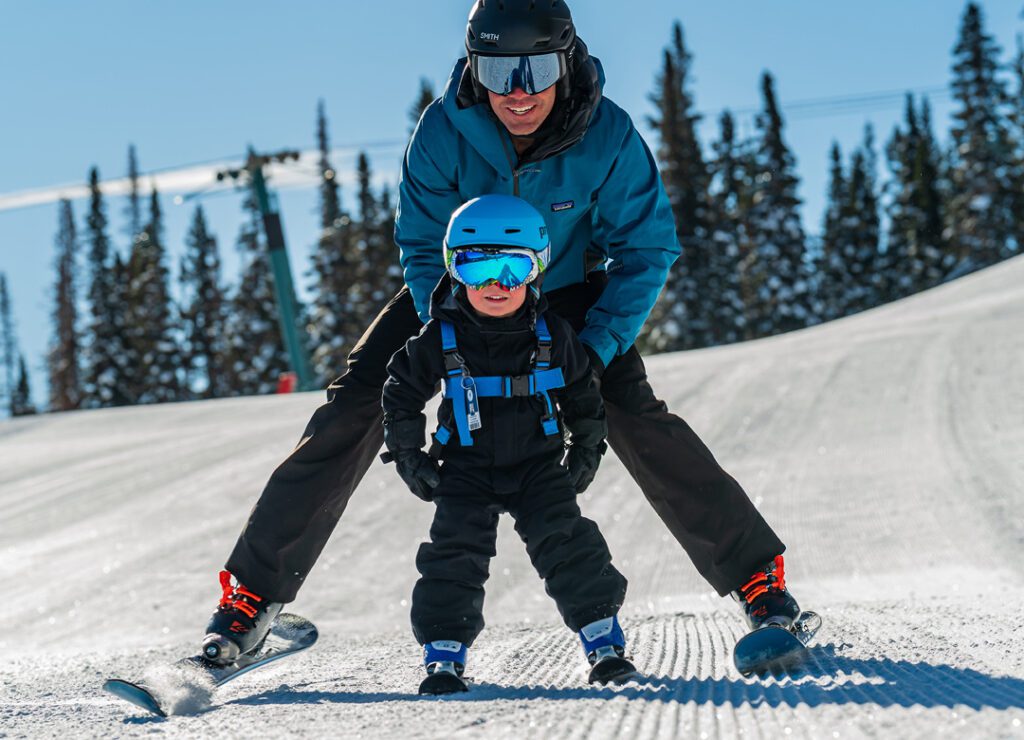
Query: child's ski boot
{"x": 445, "y": 661}
{"x": 765, "y": 600}
{"x": 605, "y": 646}
{"x": 240, "y": 624}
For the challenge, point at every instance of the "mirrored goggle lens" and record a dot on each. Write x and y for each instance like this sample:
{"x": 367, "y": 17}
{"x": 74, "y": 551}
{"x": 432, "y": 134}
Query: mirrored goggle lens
{"x": 477, "y": 268}
{"x": 502, "y": 75}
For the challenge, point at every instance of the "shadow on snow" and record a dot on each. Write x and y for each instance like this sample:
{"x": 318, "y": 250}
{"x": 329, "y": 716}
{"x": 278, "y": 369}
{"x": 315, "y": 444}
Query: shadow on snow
{"x": 827, "y": 678}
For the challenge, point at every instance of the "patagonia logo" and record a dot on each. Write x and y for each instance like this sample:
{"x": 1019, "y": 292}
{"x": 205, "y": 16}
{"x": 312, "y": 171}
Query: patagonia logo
{"x": 565, "y": 205}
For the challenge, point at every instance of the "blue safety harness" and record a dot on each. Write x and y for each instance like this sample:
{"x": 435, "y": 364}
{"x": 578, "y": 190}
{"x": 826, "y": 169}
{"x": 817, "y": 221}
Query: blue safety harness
{"x": 464, "y": 389}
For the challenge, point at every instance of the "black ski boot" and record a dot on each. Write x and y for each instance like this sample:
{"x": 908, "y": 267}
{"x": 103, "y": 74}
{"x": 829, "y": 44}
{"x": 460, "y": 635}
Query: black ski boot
{"x": 765, "y": 600}
{"x": 240, "y": 624}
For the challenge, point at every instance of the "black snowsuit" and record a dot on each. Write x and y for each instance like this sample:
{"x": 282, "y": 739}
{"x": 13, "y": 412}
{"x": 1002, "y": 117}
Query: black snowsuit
{"x": 511, "y": 466}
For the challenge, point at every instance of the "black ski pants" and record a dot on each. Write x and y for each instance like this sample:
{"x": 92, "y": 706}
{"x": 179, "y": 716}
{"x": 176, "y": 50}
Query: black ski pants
{"x": 567, "y": 550}
{"x": 705, "y": 509}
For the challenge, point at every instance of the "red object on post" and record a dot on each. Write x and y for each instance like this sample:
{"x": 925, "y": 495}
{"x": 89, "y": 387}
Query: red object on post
{"x": 286, "y": 382}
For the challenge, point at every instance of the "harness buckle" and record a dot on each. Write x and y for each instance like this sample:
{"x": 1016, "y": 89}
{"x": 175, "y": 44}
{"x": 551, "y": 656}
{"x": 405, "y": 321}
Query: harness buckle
{"x": 453, "y": 361}
{"x": 521, "y": 385}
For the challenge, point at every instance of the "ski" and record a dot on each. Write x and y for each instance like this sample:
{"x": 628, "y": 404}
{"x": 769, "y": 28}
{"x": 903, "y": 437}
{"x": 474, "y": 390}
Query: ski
{"x": 773, "y": 648}
{"x": 440, "y": 683}
{"x": 613, "y": 670}
{"x": 289, "y": 634}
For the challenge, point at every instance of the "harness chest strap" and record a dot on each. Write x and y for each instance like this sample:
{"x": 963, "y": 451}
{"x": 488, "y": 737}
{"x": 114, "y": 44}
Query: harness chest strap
{"x": 539, "y": 382}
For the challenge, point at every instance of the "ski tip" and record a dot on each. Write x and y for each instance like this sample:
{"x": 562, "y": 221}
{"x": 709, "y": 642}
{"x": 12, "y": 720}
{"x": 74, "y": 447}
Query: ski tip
{"x": 442, "y": 683}
{"x": 134, "y": 694}
{"x": 614, "y": 671}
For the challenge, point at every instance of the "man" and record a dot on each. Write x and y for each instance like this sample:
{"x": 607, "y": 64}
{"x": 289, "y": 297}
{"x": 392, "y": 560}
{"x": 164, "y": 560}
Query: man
{"x": 523, "y": 114}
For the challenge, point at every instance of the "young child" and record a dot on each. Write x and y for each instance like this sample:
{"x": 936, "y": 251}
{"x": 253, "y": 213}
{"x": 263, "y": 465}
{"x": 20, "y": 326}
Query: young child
{"x": 513, "y": 377}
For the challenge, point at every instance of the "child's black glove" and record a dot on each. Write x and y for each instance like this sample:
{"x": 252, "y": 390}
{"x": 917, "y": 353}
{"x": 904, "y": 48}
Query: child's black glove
{"x": 583, "y": 463}
{"x": 404, "y": 440}
{"x": 419, "y": 471}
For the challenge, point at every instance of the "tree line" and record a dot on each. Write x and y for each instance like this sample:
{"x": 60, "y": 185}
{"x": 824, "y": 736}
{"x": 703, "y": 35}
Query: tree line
{"x": 747, "y": 267}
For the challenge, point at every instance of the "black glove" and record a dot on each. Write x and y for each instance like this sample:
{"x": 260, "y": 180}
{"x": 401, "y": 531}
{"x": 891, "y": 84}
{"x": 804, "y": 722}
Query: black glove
{"x": 583, "y": 463}
{"x": 404, "y": 440}
{"x": 419, "y": 471}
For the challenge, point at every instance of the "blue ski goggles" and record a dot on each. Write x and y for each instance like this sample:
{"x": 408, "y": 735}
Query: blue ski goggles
{"x": 502, "y": 75}
{"x": 510, "y": 268}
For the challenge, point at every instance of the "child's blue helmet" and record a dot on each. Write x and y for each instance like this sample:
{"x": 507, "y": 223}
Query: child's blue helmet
{"x": 496, "y": 239}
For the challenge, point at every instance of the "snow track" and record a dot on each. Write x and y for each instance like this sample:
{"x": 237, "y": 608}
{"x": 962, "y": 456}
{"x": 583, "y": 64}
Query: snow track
{"x": 885, "y": 449}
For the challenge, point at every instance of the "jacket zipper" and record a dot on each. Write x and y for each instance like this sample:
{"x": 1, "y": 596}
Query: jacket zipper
{"x": 511, "y": 162}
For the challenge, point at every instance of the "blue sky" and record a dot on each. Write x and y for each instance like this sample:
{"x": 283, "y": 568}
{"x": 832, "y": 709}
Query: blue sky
{"x": 190, "y": 82}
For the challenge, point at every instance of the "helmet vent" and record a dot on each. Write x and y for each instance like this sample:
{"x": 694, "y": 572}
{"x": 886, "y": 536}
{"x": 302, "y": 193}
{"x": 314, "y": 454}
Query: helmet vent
{"x": 565, "y": 34}
{"x": 512, "y": 231}
{"x": 469, "y": 231}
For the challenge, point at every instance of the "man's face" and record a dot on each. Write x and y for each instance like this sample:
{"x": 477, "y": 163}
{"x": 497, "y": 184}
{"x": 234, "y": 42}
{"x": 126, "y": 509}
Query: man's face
{"x": 520, "y": 113}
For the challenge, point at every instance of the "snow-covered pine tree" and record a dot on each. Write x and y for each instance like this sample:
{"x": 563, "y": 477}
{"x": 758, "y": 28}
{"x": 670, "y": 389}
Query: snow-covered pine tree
{"x": 333, "y": 328}
{"x": 62, "y": 360}
{"x": 133, "y": 210}
{"x": 831, "y": 269}
{"x": 916, "y": 256}
{"x": 850, "y": 260}
{"x": 727, "y": 236}
{"x": 395, "y": 279}
{"x": 106, "y": 354}
{"x": 151, "y": 325}
{"x": 682, "y": 317}
{"x": 203, "y": 313}
{"x": 423, "y": 99}
{"x": 1017, "y": 116}
{"x": 377, "y": 278}
{"x": 256, "y": 352}
{"x": 778, "y": 273}
{"x": 982, "y": 208}
{"x": 8, "y": 342}
{"x": 21, "y": 399}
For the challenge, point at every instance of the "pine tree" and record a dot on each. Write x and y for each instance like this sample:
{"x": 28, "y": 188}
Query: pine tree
{"x": 133, "y": 211}
{"x": 850, "y": 279}
{"x": 63, "y": 358}
{"x": 21, "y": 399}
{"x": 916, "y": 254}
{"x": 1017, "y": 116}
{"x": 105, "y": 351}
{"x": 982, "y": 209}
{"x": 256, "y": 352}
{"x": 151, "y": 316}
{"x": 333, "y": 330}
{"x": 394, "y": 277}
{"x": 831, "y": 270}
{"x": 423, "y": 99}
{"x": 727, "y": 236}
{"x": 8, "y": 342}
{"x": 778, "y": 274}
{"x": 377, "y": 275}
{"x": 203, "y": 313}
{"x": 682, "y": 317}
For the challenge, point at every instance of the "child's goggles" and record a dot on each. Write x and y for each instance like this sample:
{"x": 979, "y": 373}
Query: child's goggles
{"x": 511, "y": 268}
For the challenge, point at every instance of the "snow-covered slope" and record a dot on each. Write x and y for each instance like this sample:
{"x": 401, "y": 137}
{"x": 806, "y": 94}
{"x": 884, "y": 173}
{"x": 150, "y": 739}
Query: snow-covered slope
{"x": 885, "y": 448}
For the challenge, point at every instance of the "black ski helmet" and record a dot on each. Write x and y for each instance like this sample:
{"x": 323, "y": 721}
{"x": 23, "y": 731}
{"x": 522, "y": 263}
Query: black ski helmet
{"x": 519, "y": 27}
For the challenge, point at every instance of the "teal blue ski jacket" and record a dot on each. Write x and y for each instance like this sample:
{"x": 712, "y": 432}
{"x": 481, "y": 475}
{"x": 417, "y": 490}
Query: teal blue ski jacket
{"x": 602, "y": 195}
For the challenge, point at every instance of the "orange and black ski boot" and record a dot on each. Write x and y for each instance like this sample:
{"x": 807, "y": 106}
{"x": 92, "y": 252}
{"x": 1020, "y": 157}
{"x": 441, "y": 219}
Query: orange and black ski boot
{"x": 240, "y": 624}
{"x": 765, "y": 600}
